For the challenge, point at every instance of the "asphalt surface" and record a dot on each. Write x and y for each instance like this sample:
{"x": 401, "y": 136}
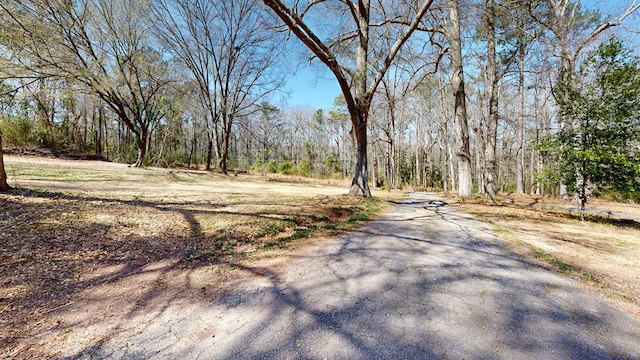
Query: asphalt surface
{"x": 424, "y": 281}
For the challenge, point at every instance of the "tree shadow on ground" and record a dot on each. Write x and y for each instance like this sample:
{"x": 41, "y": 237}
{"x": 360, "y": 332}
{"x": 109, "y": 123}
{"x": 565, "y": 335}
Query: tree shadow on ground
{"x": 54, "y": 263}
{"x": 424, "y": 282}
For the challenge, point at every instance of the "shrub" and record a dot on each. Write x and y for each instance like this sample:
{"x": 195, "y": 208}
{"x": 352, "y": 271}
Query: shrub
{"x": 286, "y": 168}
{"x": 18, "y": 131}
{"x": 271, "y": 167}
{"x": 305, "y": 167}
{"x": 256, "y": 166}
{"x": 333, "y": 163}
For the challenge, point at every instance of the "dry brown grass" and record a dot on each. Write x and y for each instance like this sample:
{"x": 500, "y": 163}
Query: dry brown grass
{"x": 88, "y": 234}
{"x": 603, "y": 252}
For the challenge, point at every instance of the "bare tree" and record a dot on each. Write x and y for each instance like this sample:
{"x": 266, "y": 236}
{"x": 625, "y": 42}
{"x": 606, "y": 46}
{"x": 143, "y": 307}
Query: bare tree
{"x": 573, "y": 28}
{"x": 228, "y": 50}
{"x": 412, "y": 67}
{"x": 465, "y": 180}
{"x": 491, "y": 171}
{"x": 101, "y": 44}
{"x": 357, "y": 84}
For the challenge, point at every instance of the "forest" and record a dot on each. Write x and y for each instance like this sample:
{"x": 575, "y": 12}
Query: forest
{"x": 466, "y": 96}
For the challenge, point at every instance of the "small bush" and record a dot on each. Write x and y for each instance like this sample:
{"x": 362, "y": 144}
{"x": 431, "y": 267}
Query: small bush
{"x": 305, "y": 167}
{"x": 18, "y": 131}
{"x": 333, "y": 163}
{"x": 256, "y": 166}
{"x": 125, "y": 153}
{"x": 172, "y": 159}
{"x": 271, "y": 167}
{"x": 286, "y": 168}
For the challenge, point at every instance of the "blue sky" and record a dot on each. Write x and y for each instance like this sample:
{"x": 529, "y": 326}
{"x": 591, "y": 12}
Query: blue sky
{"x": 315, "y": 87}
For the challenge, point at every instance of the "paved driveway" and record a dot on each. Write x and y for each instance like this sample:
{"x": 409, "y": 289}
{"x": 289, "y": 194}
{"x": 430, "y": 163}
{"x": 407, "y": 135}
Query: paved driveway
{"x": 424, "y": 281}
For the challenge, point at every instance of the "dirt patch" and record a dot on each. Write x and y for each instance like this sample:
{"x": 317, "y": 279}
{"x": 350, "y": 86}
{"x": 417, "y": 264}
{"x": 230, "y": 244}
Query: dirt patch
{"x": 602, "y": 252}
{"x": 86, "y": 246}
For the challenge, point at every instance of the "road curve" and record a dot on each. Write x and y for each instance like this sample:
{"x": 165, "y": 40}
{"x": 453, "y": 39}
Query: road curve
{"x": 423, "y": 281}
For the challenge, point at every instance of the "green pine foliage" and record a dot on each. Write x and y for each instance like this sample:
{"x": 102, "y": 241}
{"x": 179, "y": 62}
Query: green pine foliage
{"x": 598, "y": 146}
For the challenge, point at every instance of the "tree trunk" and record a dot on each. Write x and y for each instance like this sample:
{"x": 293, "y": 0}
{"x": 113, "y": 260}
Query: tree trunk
{"x": 520, "y": 130}
{"x": 142, "y": 151}
{"x": 360, "y": 110}
{"x": 100, "y": 122}
{"x": 224, "y": 158}
{"x": 106, "y": 138}
{"x": 393, "y": 169}
{"x": 532, "y": 167}
{"x": 4, "y": 187}
{"x": 209, "y": 154}
{"x": 480, "y": 149}
{"x": 491, "y": 171}
{"x": 375, "y": 168}
{"x": 465, "y": 180}
{"x": 142, "y": 142}
{"x": 360, "y": 182}
{"x": 451, "y": 166}
{"x": 418, "y": 177}
{"x": 445, "y": 171}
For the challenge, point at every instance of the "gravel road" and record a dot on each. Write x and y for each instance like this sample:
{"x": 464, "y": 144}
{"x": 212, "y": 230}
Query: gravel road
{"x": 424, "y": 281}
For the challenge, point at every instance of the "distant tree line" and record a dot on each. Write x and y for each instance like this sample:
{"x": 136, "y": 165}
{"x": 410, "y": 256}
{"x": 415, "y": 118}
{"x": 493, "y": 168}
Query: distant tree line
{"x": 468, "y": 96}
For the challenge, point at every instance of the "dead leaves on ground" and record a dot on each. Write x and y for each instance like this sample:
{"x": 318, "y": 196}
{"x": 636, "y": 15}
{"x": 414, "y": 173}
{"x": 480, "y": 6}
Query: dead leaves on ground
{"x": 51, "y": 243}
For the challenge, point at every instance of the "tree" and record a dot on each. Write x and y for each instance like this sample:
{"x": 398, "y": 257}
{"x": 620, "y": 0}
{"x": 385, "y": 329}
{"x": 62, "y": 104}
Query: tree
{"x": 573, "y": 29}
{"x": 465, "y": 180}
{"x": 3, "y": 174}
{"x": 103, "y": 45}
{"x": 491, "y": 171}
{"x": 598, "y": 149}
{"x": 352, "y": 47}
{"x": 508, "y": 31}
{"x": 227, "y": 48}
{"x": 521, "y": 36}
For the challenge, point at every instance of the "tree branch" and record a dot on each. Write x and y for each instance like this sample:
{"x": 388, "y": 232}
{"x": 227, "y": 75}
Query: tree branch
{"x": 311, "y": 40}
{"x": 630, "y": 10}
{"x": 397, "y": 45}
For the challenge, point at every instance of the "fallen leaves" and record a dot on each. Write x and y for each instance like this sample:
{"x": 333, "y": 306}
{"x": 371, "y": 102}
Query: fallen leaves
{"x": 56, "y": 244}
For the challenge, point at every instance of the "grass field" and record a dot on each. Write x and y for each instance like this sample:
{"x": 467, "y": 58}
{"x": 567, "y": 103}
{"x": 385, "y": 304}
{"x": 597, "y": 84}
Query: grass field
{"x": 91, "y": 230}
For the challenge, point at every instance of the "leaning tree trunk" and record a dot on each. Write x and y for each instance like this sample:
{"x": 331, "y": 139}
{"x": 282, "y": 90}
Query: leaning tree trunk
{"x": 465, "y": 180}
{"x": 3, "y": 175}
{"x": 141, "y": 154}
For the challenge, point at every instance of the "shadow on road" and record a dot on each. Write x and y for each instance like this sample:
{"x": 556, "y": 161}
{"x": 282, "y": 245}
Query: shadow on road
{"x": 424, "y": 281}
